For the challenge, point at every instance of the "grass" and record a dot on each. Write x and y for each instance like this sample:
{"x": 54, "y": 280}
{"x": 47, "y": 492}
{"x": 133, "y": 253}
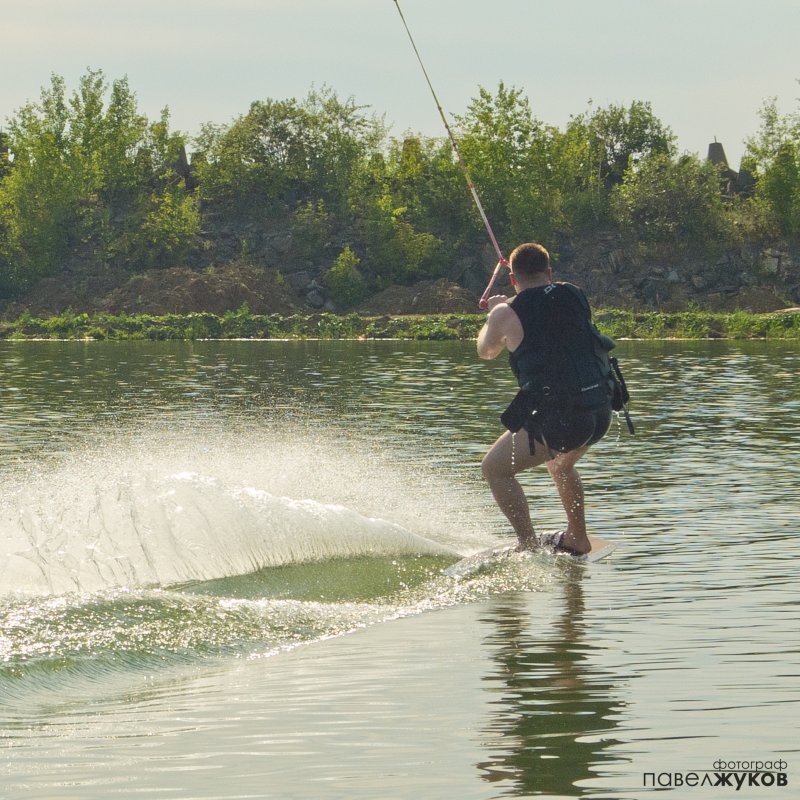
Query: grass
{"x": 241, "y": 324}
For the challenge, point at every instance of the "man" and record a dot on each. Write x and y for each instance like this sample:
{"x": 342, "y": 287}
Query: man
{"x": 564, "y": 403}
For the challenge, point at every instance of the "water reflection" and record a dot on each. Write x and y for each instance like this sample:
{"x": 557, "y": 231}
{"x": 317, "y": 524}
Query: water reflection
{"x": 550, "y": 723}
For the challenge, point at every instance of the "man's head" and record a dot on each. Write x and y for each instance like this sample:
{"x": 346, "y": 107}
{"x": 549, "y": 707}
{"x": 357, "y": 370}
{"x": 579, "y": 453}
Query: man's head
{"x": 529, "y": 260}
{"x": 530, "y": 266}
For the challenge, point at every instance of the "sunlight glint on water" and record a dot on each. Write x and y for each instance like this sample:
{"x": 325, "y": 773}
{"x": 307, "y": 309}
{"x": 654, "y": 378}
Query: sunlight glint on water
{"x": 188, "y": 530}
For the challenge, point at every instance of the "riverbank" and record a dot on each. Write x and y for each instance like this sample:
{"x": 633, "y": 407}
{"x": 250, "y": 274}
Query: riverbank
{"x": 242, "y": 324}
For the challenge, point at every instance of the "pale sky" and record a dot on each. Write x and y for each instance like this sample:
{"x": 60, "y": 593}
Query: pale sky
{"x": 705, "y": 65}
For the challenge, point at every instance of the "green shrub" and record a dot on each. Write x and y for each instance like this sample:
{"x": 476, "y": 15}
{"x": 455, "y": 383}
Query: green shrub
{"x": 346, "y": 284}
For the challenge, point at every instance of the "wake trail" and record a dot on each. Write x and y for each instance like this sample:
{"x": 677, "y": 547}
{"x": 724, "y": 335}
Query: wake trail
{"x": 143, "y": 514}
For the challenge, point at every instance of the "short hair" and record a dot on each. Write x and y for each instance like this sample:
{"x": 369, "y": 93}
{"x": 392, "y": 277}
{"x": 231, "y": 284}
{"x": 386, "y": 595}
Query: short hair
{"x": 529, "y": 259}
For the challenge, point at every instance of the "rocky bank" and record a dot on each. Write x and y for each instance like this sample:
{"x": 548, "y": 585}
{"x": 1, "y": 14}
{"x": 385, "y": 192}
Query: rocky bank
{"x": 614, "y": 274}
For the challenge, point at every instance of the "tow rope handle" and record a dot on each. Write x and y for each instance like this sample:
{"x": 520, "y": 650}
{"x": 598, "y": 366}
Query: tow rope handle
{"x": 484, "y": 301}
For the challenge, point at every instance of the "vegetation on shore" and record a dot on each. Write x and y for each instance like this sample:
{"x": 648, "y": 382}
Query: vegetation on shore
{"x": 242, "y": 324}
{"x": 318, "y": 187}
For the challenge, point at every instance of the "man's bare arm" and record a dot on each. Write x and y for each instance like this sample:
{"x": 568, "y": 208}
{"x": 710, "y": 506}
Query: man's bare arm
{"x": 493, "y": 338}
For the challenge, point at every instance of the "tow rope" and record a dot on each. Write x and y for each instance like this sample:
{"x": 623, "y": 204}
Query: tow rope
{"x": 501, "y": 261}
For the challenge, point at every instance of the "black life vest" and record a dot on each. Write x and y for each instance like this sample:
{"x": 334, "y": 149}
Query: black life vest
{"x": 563, "y": 359}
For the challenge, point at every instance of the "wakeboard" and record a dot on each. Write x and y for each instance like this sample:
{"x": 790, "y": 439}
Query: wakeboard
{"x": 494, "y": 555}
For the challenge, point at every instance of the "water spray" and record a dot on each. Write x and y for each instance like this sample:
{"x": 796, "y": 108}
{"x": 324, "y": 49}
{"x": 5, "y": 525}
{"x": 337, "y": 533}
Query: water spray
{"x": 501, "y": 261}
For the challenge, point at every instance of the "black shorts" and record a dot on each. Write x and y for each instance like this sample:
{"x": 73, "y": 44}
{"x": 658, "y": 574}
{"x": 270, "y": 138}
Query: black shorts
{"x": 562, "y": 430}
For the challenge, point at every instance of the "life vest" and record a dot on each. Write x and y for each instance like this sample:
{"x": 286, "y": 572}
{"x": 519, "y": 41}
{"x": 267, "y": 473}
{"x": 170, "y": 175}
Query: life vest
{"x": 563, "y": 358}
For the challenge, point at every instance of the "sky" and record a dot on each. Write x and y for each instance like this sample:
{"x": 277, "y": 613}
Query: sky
{"x": 706, "y": 66}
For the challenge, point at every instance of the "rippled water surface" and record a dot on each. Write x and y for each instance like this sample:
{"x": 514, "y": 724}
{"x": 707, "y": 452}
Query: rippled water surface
{"x": 220, "y": 577}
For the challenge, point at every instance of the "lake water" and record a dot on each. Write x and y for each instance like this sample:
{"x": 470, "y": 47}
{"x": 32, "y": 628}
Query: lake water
{"x": 220, "y": 577}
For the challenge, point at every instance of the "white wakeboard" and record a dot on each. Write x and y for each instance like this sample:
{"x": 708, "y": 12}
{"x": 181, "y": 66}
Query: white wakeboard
{"x": 494, "y": 555}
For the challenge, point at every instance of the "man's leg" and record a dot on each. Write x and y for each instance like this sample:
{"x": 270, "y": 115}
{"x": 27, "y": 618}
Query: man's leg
{"x": 570, "y": 490}
{"x": 509, "y": 455}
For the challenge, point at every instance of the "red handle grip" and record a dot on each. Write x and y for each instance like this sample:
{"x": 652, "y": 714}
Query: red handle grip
{"x": 483, "y": 303}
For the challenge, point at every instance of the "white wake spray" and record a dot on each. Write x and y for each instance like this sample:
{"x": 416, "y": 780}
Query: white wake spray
{"x": 129, "y": 518}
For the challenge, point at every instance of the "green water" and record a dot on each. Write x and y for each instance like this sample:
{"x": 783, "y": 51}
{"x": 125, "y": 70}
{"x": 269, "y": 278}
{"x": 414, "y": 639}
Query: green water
{"x": 220, "y": 576}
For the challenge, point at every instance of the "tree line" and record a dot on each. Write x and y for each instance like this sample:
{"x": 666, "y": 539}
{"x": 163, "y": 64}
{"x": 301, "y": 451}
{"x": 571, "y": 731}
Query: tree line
{"x": 87, "y": 180}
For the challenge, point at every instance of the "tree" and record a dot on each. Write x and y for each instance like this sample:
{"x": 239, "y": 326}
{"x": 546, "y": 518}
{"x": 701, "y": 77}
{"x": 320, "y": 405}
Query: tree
{"x": 39, "y": 196}
{"x": 423, "y": 178}
{"x": 343, "y": 136}
{"x": 577, "y": 176}
{"x": 773, "y": 157}
{"x": 394, "y": 250}
{"x": 5, "y": 164}
{"x": 780, "y": 185}
{"x": 312, "y": 229}
{"x": 284, "y": 153}
{"x": 346, "y": 284}
{"x": 673, "y": 203}
{"x": 508, "y": 154}
{"x": 88, "y": 180}
{"x": 618, "y": 138}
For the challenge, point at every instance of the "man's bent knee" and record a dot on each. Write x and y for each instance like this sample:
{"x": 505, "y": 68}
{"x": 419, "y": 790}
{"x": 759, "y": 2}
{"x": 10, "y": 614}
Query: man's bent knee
{"x": 490, "y": 468}
{"x": 496, "y": 465}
